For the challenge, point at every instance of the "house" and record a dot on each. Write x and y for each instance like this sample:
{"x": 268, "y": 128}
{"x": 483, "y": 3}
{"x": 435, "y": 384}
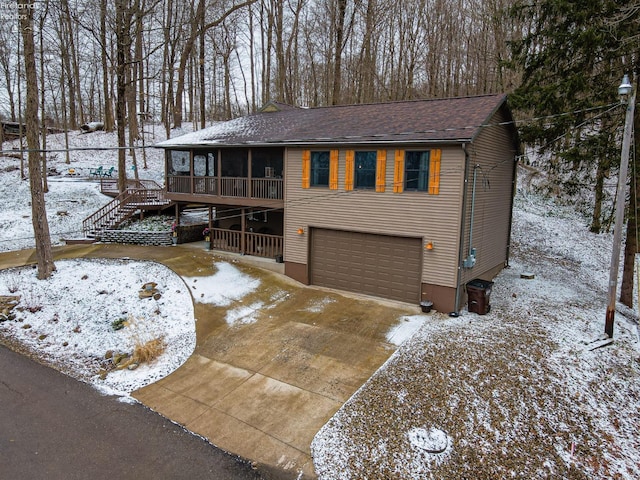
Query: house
{"x": 405, "y": 200}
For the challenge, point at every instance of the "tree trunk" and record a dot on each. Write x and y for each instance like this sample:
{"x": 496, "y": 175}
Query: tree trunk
{"x": 201, "y": 74}
{"x": 108, "y": 112}
{"x": 131, "y": 75}
{"x": 75, "y": 94}
{"x": 44, "y": 253}
{"x": 43, "y": 129}
{"x": 23, "y": 176}
{"x": 123, "y": 43}
{"x": 596, "y": 217}
{"x": 267, "y": 39}
{"x": 337, "y": 58}
{"x": 252, "y": 65}
{"x": 277, "y": 8}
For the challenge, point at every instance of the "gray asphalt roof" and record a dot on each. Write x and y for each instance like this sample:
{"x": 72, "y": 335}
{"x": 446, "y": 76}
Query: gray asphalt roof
{"x": 415, "y": 121}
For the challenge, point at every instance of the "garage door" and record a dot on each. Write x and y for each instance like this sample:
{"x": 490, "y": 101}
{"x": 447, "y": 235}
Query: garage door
{"x": 379, "y": 265}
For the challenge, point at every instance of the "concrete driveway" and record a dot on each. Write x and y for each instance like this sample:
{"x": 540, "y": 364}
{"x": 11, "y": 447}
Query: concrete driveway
{"x": 262, "y": 390}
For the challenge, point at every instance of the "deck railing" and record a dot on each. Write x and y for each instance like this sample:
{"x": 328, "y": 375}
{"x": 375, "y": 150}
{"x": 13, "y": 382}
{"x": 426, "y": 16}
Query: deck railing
{"x": 109, "y": 186}
{"x": 263, "y": 245}
{"x": 256, "y": 244}
{"x": 238, "y": 187}
{"x": 121, "y": 208}
{"x": 177, "y": 184}
{"x": 227, "y": 240}
{"x": 266, "y": 188}
{"x": 233, "y": 187}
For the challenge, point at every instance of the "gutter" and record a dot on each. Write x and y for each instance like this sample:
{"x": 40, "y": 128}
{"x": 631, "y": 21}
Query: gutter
{"x": 307, "y": 143}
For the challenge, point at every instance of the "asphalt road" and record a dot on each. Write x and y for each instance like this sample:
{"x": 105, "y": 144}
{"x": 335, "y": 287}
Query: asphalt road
{"x": 54, "y": 427}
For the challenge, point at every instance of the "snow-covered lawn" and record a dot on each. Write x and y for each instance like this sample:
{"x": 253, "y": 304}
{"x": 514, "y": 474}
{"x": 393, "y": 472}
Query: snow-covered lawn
{"x": 516, "y": 393}
{"x": 90, "y": 311}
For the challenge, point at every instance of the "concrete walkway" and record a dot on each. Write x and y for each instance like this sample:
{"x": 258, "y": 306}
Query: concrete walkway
{"x": 262, "y": 390}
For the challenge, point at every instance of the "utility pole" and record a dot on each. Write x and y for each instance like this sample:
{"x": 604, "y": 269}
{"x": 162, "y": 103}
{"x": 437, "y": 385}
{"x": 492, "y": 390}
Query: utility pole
{"x": 623, "y": 90}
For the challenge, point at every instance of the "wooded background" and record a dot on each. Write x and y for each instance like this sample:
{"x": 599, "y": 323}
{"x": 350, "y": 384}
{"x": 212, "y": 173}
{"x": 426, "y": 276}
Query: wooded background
{"x": 126, "y": 62}
{"x": 216, "y": 59}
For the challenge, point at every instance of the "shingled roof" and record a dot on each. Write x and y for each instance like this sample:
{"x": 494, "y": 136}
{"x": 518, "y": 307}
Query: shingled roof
{"x": 451, "y": 120}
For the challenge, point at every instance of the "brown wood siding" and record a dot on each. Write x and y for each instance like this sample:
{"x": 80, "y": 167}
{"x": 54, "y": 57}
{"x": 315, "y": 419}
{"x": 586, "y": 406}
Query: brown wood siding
{"x": 434, "y": 218}
{"x": 494, "y": 153}
{"x": 380, "y": 265}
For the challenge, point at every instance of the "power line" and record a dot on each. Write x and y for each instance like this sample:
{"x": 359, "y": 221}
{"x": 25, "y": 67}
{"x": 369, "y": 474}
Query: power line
{"x": 351, "y": 137}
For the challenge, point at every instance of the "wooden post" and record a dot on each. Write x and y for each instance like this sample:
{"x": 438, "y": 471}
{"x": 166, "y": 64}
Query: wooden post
{"x": 620, "y": 200}
{"x": 249, "y": 191}
{"x": 243, "y": 226}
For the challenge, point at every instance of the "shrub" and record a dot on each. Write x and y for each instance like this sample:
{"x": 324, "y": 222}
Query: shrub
{"x": 118, "y": 324}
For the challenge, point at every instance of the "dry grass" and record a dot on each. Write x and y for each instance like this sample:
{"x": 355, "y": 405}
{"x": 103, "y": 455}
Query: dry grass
{"x": 148, "y": 351}
{"x": 146, "y": 347}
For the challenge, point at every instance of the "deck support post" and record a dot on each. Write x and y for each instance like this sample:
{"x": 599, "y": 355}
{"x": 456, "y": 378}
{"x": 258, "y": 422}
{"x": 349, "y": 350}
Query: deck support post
{"x": 243, "y": 226}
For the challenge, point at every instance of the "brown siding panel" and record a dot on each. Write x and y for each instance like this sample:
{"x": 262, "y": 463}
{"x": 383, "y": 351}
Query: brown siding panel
{"x": 433, "y": 218}
{"x": 494, "y": 153}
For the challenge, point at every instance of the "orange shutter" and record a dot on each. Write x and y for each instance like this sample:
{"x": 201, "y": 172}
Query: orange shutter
{"x": 381, "y": 170}
{"x": 333, "y": 170}
{"x": 434, "y": 172}
{"x": 349, "y": 170}
{"x": 306, "y": 168}
{"x": 398, "y": 172}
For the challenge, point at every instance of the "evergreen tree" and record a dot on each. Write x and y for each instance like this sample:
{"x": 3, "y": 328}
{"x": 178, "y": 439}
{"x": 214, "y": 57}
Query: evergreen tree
{"x": 571, "y": 64}
{"x": 572, "y": 57}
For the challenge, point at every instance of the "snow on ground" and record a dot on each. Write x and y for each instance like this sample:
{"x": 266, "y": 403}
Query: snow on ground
{"x": 516, "y": 393}
{"x": 71, "y": 197}
{"x": 74, "y": 316}
{"x": 70, "y": 319}
{"x": 225, "y": 286}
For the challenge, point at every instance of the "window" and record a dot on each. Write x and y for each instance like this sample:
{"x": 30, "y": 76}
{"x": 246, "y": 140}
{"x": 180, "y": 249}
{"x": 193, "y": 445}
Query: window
{"x": 179, "y": 162}
{"x": 204, "y": 164}
{"x": 320, "y": 169}
{"x": 416, "y": 171}
{"x": 365, "y": 169}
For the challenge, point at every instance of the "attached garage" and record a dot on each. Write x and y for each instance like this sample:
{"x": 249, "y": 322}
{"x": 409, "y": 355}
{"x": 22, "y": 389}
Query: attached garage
{"x": 380, "y": 265}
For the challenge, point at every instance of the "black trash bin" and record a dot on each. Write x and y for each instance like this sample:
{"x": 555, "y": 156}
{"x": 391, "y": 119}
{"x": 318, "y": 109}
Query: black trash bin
{"x": 478, "y": 295}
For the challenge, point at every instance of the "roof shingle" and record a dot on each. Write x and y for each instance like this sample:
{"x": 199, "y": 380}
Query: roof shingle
{"x": 449, "y": 120}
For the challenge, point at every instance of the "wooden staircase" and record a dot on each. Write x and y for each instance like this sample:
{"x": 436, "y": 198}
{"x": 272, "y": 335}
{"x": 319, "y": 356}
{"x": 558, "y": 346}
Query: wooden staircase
{"x": 123, "y": 207}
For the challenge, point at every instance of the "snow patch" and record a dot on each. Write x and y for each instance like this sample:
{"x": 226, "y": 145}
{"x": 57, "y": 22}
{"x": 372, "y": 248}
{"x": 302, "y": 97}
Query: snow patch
{"x": 222, "y": 288}
{"x": 404, "y": 330}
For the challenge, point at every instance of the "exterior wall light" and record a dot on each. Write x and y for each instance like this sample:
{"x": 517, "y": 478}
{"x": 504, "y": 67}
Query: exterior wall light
{"x": 301, "y": 231}
{"x": 429, "y": 245}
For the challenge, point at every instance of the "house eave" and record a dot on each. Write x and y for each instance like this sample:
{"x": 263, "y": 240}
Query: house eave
{"x": 314, "y": 143}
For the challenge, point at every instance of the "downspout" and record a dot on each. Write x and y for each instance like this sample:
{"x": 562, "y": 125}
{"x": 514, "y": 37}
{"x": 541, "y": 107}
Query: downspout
{"x": 514, "y": 186}
{"x": 470, "y": 261}
{"x": 462, "y": 233}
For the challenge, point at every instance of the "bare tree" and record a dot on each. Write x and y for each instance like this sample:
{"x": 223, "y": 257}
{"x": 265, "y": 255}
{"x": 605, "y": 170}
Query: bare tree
{"x": 188, "y": 47}
{"x": 123, "y": 47}
{"x": 339, "y": 47}
{"x": 44, "y": 252}
{"x": 106, "y": 91}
